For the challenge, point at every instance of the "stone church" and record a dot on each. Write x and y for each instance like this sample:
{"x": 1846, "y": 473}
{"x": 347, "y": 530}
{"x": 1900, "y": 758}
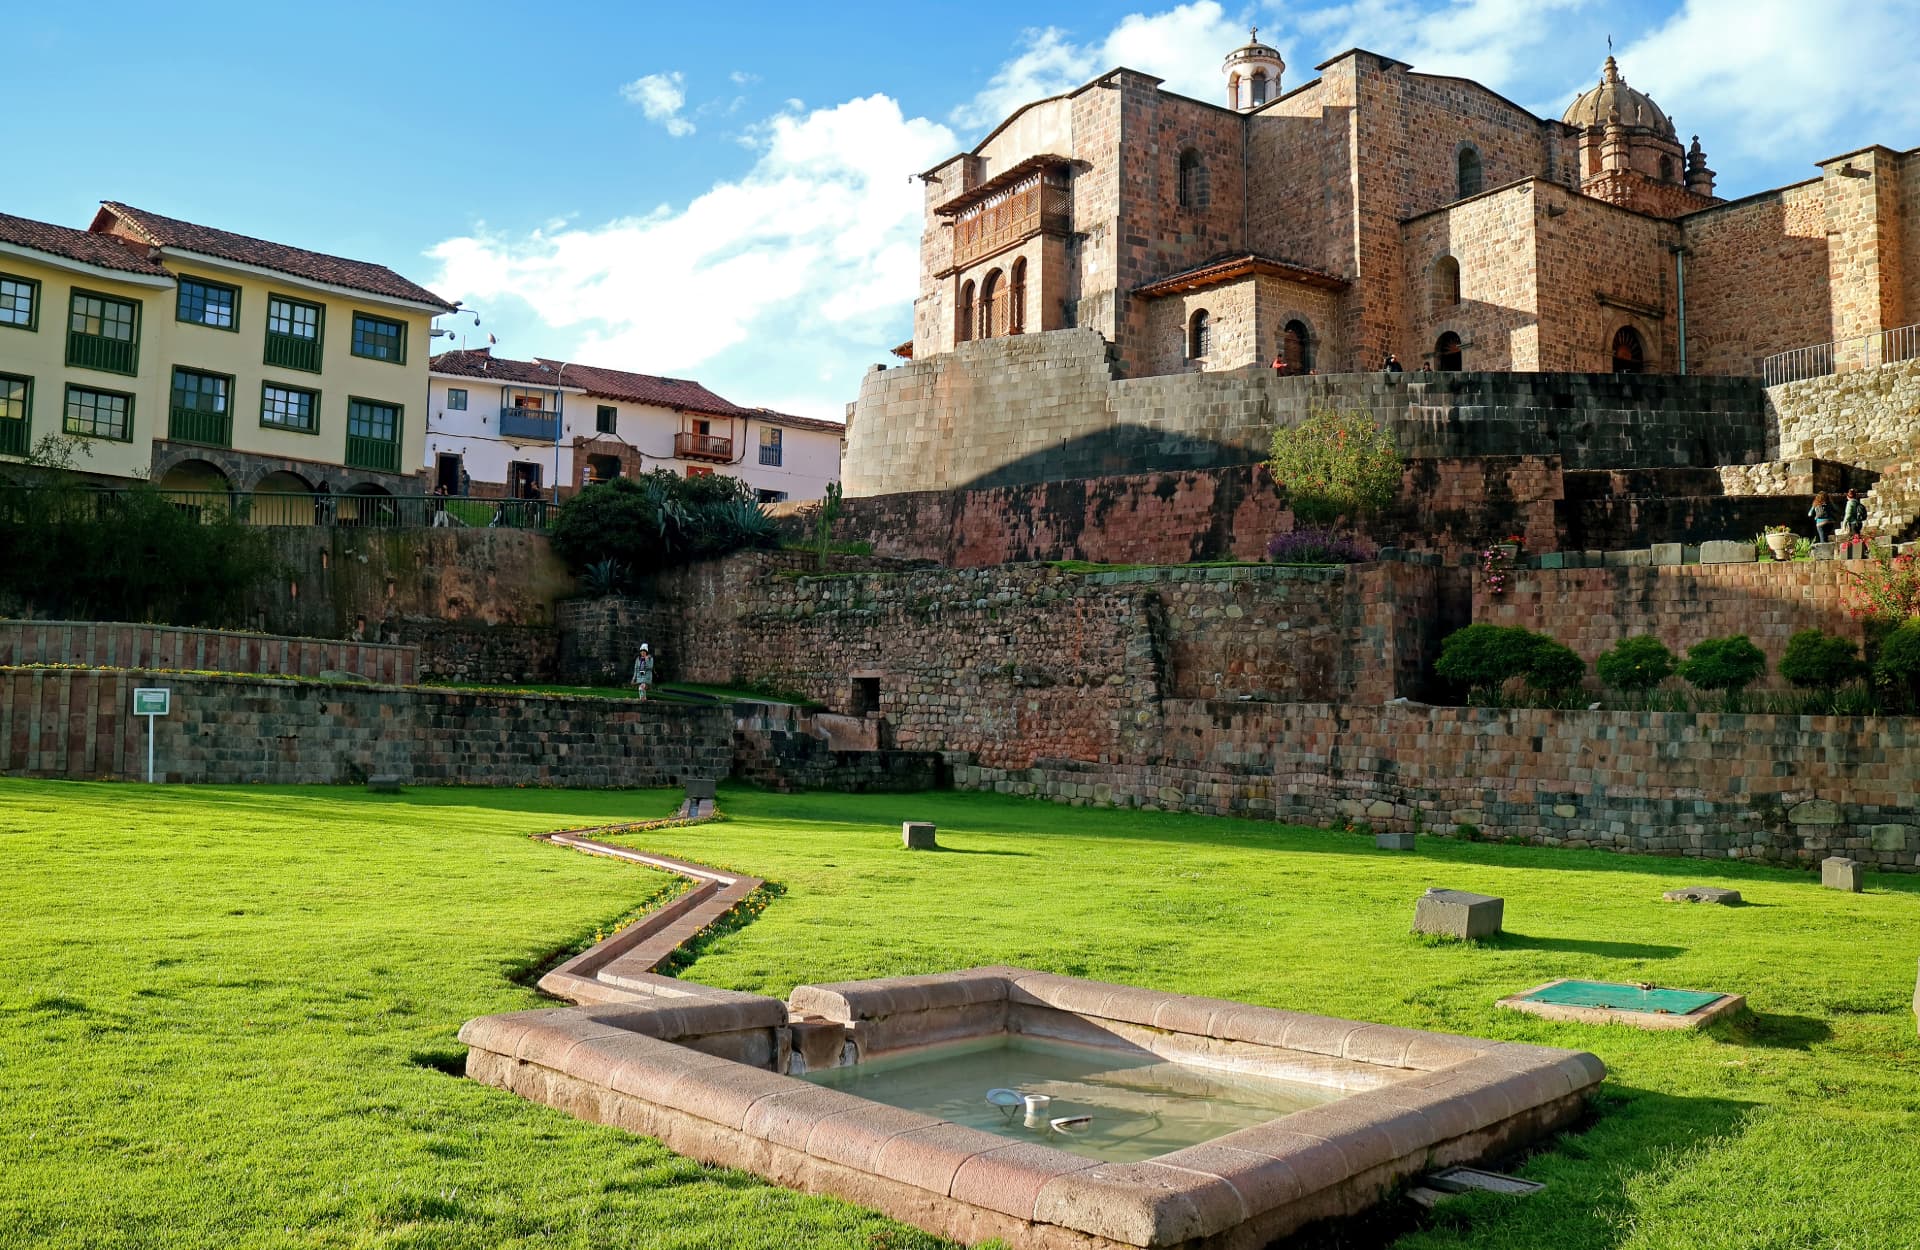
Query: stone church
{"x": 1375, "y": 210}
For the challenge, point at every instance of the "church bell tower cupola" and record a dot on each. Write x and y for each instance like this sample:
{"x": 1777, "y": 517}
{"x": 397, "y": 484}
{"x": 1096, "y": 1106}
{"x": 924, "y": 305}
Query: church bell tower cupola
{"x": 1253, "y": 73}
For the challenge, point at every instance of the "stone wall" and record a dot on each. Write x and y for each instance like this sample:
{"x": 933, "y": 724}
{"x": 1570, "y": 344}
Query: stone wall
{"x": 1756, "y": 279}
{"x": 784, "y": 747}
{"x": 1778, "y": 788}
{"x": 109, "y": 645}
{"x": 1867, "y": 417}
{"x": 467, "y": 651}
{"x": 600, "y": 637}
{"x": 76, "y": 723}
{"x": 1592, "y": 609}
{"x": 1046, "y": 407}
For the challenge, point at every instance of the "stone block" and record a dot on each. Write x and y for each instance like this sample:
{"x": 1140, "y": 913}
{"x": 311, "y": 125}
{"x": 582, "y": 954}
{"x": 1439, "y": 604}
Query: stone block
{"x": 1668, "y": 553}
{"x": 1726, "y": 551}
{"x": 1457, "y": 913}
{"x": 1826, "y": 551}
{"x": 1815, "y": 812}
{"x": 1837, "y": 872}
{"x": 918, "y": 835}
{"x": 1553, "y": 559}
{"x": 1393, "y": 841}
{"x": 384, "y": 783}
{"x": 701, "y": 788}
{"x": 1894, "y": 838}
{"x": 1593, "y": 559}
{"x": 1637, "y": 558}
{"x": 1703, "y": 894}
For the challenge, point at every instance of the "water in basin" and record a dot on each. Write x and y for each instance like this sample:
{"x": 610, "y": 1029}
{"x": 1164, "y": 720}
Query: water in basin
{"x": 1139, "y": 1105}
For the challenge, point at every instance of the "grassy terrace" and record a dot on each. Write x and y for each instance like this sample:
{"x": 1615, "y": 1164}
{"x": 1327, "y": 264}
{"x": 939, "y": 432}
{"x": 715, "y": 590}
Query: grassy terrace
{"x": 225, "y": 1014}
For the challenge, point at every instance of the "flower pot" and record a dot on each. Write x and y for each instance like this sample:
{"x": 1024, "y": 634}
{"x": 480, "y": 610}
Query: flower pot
{"x": 1781, "y": 545}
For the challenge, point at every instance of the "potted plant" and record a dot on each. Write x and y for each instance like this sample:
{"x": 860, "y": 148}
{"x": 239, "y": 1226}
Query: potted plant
{"x": 1780, "y": 542}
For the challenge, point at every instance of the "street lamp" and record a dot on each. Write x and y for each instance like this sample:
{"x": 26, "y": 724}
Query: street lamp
{"x": 559, "y": 420}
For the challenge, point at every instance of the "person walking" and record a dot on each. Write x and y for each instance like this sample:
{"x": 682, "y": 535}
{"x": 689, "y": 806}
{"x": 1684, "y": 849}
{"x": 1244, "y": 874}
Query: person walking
{"x": 643, "y": 672}
{"x": 1853, "y": 517}
{"x": 1822, "y": 517}
{"x": 466, "y": 482}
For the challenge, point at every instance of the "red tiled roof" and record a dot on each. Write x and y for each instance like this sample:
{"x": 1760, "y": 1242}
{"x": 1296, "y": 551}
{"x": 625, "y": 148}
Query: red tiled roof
{"x": 480, "y": 362}
{"x": 1226, "y": 268}
{"x": 358, "y": 275}
{"x": 82, "y": 245}
{"x": 798, "y": 423}
{"x": 634, "y": 388}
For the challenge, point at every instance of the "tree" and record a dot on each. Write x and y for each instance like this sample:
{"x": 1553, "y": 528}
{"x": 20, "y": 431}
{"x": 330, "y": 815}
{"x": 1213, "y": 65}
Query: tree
{"x": 823, "y": 522}
{"x": 1819, "y": 661}
{"x": 1897, "y": 668}
{"x": 1485, "y": 657}
{"x": 1553, "y": 668}
{"x": 1728, "y": 664}
{"x": 1335, "y": 465}
{"x": 659, "y": 519}
{"x": 1635, "y": 665}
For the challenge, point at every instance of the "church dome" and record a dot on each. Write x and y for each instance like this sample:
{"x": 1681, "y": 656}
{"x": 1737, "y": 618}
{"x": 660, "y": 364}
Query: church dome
{"x": 1636, "y": 108}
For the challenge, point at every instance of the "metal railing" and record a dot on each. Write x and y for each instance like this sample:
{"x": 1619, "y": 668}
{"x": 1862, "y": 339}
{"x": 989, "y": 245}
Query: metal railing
{"x": 196, "y": 425}
{"x": 345, "y": 508}
{"x": 97, "y": 351}
{"x": 702, "y": 447}
{"x": 534, "y": 423}
{"x": 381, "y": 455}
{"x": 293, "y": 351}
{"x": 15, "y": 438}
{"x": 1842, "y": 356}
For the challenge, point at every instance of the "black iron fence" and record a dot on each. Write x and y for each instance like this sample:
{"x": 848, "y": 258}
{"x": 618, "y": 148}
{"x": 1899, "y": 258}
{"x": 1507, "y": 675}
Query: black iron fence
{"x": 374, "y": 511}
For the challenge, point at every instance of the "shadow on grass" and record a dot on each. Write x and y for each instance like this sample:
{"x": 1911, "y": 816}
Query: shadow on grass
{"x": 449, "y": 1062}
{"x": 1509, "y": 941}
{"x": 970, "y": 850}
{"x": 1770, "y": 1030}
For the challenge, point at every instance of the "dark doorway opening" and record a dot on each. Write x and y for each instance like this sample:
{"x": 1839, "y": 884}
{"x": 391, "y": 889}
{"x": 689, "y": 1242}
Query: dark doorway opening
{"x": 866, "y": 695}
{"x": 1446, "y": 353}
{"x": 446, "y": 472}
{"x": 1629, "y": 353}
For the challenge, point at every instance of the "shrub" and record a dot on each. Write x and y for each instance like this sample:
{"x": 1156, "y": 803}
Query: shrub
{"x": 1554, "y": 668}
{"x": 1885, "y": 590}
{"x": 660, "y": 519}
{"x": 1335, "y": 465}
{"x": 1314, "y": 546}
{"x": 1819, "y": 661}
{"x": 1635, "y": 665}
{"x": 1727, "y": 664}
{"x": 1484, "y": 657}
{"x": 1897, "y": 668}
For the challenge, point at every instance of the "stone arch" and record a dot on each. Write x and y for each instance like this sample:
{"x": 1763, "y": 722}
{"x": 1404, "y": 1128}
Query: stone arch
{"x": 1446, "y": 282}
{"x": 1469, "y": 172}
{"x": 963, "y": 314}
{"x": 1017, "y": 297}
{"x": 1196, "y": 191}
{"x": 1629, "y": 350}
{"x": 195, "y": 475}
{"x": 993, "y": 314}
{"x": 1233, "y": 92}
{"x": 1259, "y": 83}
{"x": 1448, "y": 353}
{"x": 1666, "y": 169}
{"x": 361, "y": 504}
{"x": 1297, "y": 346}
{"x": 1199, "y": 335}
{"x": 283, "y": 497}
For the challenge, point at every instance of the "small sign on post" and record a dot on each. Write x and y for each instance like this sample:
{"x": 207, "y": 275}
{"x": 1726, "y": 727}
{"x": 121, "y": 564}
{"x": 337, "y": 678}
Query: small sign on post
{"x": 151, "y": 701}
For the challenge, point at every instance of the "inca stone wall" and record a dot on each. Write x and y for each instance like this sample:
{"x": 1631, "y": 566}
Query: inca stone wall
{"x": 1045, "y": 407}
{"x": 231, "y": 731}
{"x": 110, "y": 645}
{"x": 1867, "y": 417}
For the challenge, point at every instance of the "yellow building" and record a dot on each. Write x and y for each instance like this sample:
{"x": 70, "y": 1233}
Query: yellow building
{"x": 211, "y": 360}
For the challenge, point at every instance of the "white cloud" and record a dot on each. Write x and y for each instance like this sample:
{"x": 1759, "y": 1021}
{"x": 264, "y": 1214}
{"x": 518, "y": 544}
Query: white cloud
{"x": 741, "y": 78}
{"x": 660, "y": 97}
{"x": 784, "y": 283}
{"x": 1489, "y": 41}
{"x": 1184, "y": 45}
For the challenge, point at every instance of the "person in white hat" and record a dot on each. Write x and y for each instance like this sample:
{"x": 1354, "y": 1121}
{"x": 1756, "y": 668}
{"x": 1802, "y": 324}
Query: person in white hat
{"x": 643, "y": 671}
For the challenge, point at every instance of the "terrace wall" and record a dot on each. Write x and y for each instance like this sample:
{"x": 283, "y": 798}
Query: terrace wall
{"x": 119, "y": 645}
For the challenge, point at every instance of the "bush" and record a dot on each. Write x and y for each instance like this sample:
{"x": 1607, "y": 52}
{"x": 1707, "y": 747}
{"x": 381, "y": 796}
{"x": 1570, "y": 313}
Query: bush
{"x": 1314, "y": 546}
{"x": 1554, "y": 668}
{"x": 1485, "y": 657}
{"x": 1335, "y": 465}
{"x": 660, "y": 519}
{"x": 1727, "y": 664}
{"x": 1819, "y": 661}
{"x": 1635, "y": 665}
{"x": 1897, "y": 668}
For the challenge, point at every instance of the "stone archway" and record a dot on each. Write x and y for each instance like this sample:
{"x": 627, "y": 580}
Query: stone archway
{"x": 1629, "y": 351}
{"x": 283, "y": 498}
{"x": 1448, "y": 356}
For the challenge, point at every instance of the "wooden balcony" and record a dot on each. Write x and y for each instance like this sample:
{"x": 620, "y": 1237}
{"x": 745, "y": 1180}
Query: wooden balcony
{"x": 533, "y": 424}
{"x": 1040, "y": 203}
{"x": 702, "y": 447}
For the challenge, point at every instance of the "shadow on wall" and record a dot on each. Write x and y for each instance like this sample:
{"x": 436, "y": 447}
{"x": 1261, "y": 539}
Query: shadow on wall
{"x": 1118, "y": 449}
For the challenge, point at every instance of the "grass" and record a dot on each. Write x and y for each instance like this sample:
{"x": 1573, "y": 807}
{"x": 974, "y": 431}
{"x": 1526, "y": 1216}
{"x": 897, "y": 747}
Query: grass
{"x": 226, "y": 1014}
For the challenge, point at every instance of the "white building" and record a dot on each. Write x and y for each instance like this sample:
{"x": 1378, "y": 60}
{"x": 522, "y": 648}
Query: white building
{"x": 516, "y": 427}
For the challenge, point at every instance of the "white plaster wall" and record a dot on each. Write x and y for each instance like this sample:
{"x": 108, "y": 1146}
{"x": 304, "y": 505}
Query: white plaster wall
{"x": 475, "y": 433}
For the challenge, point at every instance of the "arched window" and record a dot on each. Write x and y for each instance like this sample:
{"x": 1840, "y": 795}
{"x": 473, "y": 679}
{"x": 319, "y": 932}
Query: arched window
{"x": 1629, "y": 354}
{"x": 1446, "y": 353}
{"x": 963, "y": 315}
{"x": 1199, "y": 335}
{"x": 1259, "y": 86}
{"x": 1194, "y": 191}
{"x": 1296, "y": 344}
{"x": 1446, "y": 282}
{"x": 1666, "y": 169}
{"x": 1469, "y": 172}
{"x": 1233, "y": 91}
{"x": 993, "y": 315}
{"x": 1017, "y": 298}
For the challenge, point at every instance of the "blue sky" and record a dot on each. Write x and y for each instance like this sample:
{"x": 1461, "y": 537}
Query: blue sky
{"x": 722, "y": 193}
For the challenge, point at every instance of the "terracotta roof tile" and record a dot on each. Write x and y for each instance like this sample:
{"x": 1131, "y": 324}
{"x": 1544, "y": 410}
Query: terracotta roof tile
{"x": 480, "y": 362}
{"x": 358, "y": 275}
{"x": 82, "y": 245}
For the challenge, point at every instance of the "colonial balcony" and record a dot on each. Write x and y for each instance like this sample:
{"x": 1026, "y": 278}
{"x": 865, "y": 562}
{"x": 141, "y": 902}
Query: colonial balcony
{"x": 534, "y": 424}
{"x": 293, "y": 351}
{"x": 197, "y": 425}
{"x": 1039, "y": 203}
{"x": 14, "y": 437}
{"x": 381, "y": 455}
{"x": 702, "y": 447}
{"x": 99, "y": 351}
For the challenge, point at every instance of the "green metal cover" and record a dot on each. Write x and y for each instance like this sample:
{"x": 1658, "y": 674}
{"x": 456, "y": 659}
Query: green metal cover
{"x": 1622, "y": 997}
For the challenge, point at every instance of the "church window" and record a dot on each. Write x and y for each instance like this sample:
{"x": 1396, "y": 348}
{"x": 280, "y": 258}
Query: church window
{"x": 1447, "y": 356}
{"x": 1017, "y": 298}
{"x": 1469, "y": 172}
{"x": 1194, "y": 189}
{"x": 1259, "y": 86}
{"x": 993, "y": 315}
{"x": 1629, "y": 354}
{"x": 1446, "y": 282}
{"x": 1199, "y": 336}
{"x": 963, "y": 315}
{"x": 1296, "y": 344}
{"x": 1666, "y": 169}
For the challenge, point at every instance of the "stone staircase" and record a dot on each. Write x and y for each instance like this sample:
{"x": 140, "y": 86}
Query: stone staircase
{"x": 1893, "y": 505}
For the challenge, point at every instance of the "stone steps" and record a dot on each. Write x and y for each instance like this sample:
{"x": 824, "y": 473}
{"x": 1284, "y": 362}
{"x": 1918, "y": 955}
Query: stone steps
{"x": 1893, "y": 505}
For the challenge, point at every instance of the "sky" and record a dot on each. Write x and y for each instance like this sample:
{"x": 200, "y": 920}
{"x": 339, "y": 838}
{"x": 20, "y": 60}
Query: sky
{"x": 726, "y": 194}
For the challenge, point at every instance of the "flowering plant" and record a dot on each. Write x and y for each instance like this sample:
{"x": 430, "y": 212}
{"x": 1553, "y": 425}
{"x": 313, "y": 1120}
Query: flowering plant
{"x": 1496, "y": 568}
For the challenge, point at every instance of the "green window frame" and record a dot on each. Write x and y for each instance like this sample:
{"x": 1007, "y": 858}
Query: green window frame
{"x": 200, "y": 407}
{"x": 379, "y": 338}
{"x": 289, "y": 408}
{"x": 456, "y": 399}
{"x": 19, "y": 302}
{"x": 296, "y": 328}
{"x": 605, "y": 418}
{"x": 373, "y": 434}
{"x": 16, "y": 414}
{"x": 103, "y": 332}
{"x": 94, "y": 413}
{"x": 201, "y": 302}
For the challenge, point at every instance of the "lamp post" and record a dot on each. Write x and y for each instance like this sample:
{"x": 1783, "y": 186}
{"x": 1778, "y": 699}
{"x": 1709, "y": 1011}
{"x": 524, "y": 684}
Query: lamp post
{"x": 559, "y": 420}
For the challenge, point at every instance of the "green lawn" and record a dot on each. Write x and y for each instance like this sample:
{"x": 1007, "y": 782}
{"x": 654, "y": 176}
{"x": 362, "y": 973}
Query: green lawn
{"x": 224, "y": 1013}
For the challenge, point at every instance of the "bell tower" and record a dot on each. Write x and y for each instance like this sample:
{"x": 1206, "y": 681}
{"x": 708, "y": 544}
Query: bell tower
{"x": 1253, "y": 73}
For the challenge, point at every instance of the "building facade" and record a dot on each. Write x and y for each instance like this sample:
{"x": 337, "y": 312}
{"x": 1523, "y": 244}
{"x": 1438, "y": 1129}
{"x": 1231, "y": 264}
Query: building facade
{"x": 519, "y": 428}
{"x": 207, "y": 360}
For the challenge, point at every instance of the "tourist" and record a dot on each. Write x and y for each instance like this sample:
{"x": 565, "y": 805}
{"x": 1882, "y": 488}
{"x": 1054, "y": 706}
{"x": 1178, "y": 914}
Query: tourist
{"x": 1279, "y": 365}
{"x": 441, "y": 519}
{"x": 1822, "y": 517}
{"x": 1853, "y": 517}
{"x": 323, "y": 504}
{"x": 466, "y": 482}
{"x": 1393, "y": 363}
{"x": 643, "y": 672}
